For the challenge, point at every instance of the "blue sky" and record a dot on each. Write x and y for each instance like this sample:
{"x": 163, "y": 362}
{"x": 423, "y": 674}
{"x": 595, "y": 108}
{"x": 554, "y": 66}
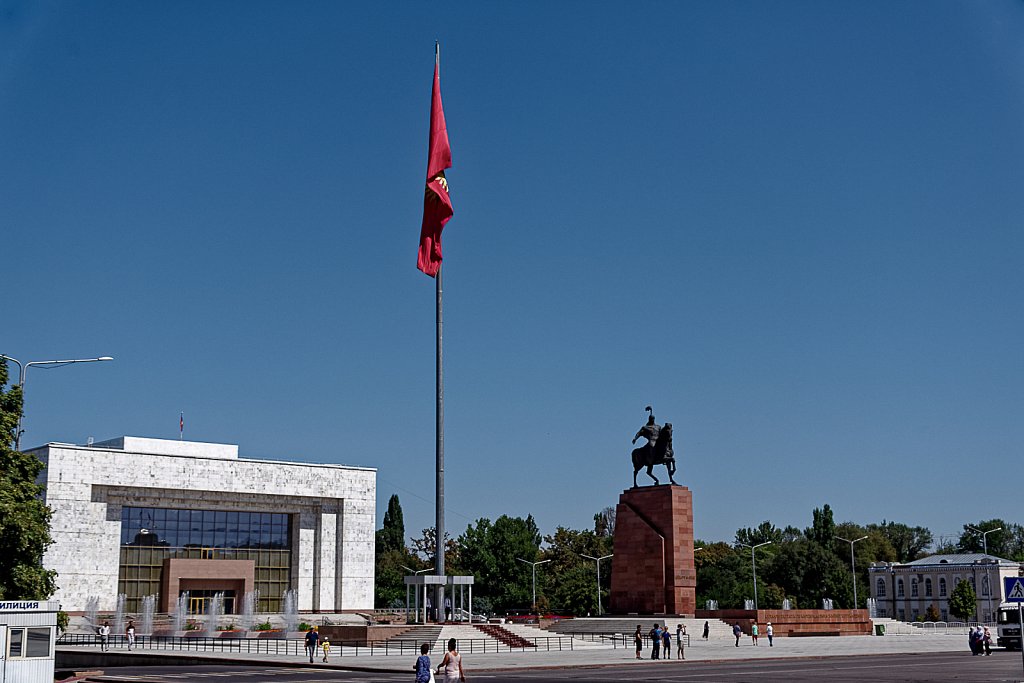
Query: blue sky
{"x": 794, "y": 228}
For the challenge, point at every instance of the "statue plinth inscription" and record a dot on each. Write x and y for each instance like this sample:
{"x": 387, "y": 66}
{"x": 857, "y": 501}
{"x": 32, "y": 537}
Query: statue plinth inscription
{"x": 653, "y": 571}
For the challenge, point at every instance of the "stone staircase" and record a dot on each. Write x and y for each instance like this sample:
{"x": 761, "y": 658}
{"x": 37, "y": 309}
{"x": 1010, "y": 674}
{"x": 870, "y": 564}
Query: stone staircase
{"x": 505, "y": 635}
{"x": 533, "y": 633}
{"x": 625, "y": 626}
{"x": 422, "y": 634}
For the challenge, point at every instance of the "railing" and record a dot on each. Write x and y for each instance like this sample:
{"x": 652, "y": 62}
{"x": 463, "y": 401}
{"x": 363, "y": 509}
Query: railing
{"x": 620, "y": 640}
{"x": 903, "y": 628}
{"x": 282, "y": 647}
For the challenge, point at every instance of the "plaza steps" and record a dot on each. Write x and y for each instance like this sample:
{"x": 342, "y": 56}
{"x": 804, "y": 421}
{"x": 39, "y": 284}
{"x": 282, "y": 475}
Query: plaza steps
{"x": 532, "y": 632}
{"x": 504, "y": 635}
{"x": 625, "y": 626}
{"x": 422, "y": 634}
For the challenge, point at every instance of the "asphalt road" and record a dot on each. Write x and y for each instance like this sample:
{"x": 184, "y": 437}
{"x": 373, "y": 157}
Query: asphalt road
{"x": 1001, "y": 667}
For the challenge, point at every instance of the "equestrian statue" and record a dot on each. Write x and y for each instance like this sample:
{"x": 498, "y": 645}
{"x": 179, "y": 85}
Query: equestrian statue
{"x": 657, "y": 450}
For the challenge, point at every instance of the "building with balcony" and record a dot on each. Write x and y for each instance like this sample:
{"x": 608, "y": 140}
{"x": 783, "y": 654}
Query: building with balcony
{"x": 153, "y": 517}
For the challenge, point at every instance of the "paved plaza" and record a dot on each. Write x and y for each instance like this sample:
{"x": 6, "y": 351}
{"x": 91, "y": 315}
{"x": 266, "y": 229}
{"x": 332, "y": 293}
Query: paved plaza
{"x": 715, "y": 650}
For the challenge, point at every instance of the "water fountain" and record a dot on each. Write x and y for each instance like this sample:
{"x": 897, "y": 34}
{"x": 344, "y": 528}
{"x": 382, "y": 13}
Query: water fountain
{"x": 249, "y": 604}
{"x": 711, "y": 605}
{"x": 92, "y": 608}
{"x": 872, "y": 606}
{"x": 291, "y": 610}
{"x": 119, "y": 613}
{"x": 826, "y": 603}
{"x": 748, "y": 604}
{"x": 213, "y": 612}
{"x": 785, "y": 604}
{"x": 181, "y": 613}
{"x": 146, "y": 620}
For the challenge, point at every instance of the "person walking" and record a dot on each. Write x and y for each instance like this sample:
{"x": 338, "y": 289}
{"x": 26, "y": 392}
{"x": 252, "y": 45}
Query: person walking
{"x": 129, "y": 634}
{"x": 452, "y": 664}
{"x": 707, "y": 630}
{"x": 753, "y": 632}
{"x": 769, "y": 631}
{"x": 326, "y": 647}
{"x": 737, "y": 631}
{"x": 638, "y": 641}
{"x": 666, "y": 643}
{"x": 422, "y": 665}
{"x": 312, "y": 640}
{"x": 986, "y": 640}
{"x": 680, "y": 632}
{"x": 655, "y": 636}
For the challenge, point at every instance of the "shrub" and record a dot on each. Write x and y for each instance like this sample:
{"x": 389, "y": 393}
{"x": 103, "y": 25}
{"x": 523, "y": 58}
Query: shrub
{"x": 265, "y": 626}
{"x": 303, "y": 626}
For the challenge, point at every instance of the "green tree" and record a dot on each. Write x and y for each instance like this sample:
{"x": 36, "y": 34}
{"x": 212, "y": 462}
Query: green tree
{"x": 490, "y": 552}
{"x": 908, "y": 542}
{"x": 392, "y": 558}
{"x": 962, "y": 601}
{"x": 392, "y": 535}
{"x": 999, "y": 542}
{"x": 24, "y": 517}
{"x": 575, "y": 590}
{"x": 723, "y": 574}
{"x": 823, "y": 527}
{"x": 765, "y": 532}
{"x": 604, "y": 522}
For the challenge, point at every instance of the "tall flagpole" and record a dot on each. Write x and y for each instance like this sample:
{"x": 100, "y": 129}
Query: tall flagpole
{"x": 439, "y": 504}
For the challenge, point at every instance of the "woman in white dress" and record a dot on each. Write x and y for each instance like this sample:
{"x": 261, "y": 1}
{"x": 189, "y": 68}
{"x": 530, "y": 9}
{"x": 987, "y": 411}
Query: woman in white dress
{"x": 451, "y": 664}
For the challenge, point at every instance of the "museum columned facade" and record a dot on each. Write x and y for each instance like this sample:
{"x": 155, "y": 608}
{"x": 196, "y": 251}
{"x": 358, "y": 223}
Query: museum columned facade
{"x": 151, "y": 517}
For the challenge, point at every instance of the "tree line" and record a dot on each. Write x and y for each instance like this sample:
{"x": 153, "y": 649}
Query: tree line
{"x": 802, "y": 566}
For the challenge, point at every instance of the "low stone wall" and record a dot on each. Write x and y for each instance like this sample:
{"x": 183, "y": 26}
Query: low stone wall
{"x": 797, "y": 622}
{"x": 360, "y": 635}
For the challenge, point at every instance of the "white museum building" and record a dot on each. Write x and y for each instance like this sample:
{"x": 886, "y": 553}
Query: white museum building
{"x": 905, "y": 591}
{"x": 155, "y": 517}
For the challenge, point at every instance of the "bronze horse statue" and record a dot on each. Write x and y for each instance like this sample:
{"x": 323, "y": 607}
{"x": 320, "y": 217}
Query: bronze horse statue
{"x": 661, "y": 454}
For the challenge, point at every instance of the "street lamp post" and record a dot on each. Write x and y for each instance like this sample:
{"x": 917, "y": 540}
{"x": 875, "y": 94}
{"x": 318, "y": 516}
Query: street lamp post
{"x": 534, "y": 565}
{"x": 853, "y": 571}
{"x": 597, "y": 560}
{"x": 984, "y": 542}
{"x": 753, "y": 565}
{"x": 23, "y": 370}
{"x": 892, "y": 571}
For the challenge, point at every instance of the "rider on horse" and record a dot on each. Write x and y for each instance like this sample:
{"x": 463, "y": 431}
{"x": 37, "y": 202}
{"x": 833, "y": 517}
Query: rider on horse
{"x": 650, "y": 431}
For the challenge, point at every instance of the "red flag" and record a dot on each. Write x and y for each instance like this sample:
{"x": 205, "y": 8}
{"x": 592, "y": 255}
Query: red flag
{"x": 437, "y": 205}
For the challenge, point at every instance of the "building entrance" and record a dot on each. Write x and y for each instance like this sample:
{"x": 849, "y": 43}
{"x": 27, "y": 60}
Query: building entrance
{"x": 199, "y": 601}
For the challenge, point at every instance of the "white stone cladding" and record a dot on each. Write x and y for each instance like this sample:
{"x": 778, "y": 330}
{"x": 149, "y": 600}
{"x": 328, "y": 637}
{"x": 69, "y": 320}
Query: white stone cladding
{"x": 332, "y": 508}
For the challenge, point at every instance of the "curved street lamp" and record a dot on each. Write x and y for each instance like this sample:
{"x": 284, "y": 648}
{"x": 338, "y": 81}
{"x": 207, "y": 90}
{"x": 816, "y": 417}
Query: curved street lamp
{"x": 597, "y": 561}
{"x": 753, "y": 565}
{"x": 534, "y": 565}
{"x": 984, "y": 542}
{"x": 853, "y": 571}
{"x": 23, "y": 370}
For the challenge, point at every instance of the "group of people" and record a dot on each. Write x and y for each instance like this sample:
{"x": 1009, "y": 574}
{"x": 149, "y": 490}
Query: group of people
{"x": 314, "y": 643}
{"x": 980, "y": 640}
{"x": 450, "y": 666}
{"x": 755, "y": 631}
{"x": 661, "y": 641}
{"x": 103, "y": 632}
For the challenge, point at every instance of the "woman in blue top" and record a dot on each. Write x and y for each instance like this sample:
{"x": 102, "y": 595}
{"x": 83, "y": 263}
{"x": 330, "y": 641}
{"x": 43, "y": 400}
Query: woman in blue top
{"x": 422, "y": 665}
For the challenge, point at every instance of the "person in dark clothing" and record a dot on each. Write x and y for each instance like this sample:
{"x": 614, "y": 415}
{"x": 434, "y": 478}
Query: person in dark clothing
{"x": 312, "y": 641}
{"x": 655, "y": 635}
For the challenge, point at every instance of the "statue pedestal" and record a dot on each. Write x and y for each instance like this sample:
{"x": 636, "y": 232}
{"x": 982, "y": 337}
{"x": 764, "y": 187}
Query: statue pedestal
{"x": 652, "y": 571}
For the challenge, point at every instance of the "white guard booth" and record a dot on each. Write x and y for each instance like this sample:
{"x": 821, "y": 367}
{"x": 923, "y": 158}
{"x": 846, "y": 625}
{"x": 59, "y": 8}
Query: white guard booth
{"x": 28, "y": 630}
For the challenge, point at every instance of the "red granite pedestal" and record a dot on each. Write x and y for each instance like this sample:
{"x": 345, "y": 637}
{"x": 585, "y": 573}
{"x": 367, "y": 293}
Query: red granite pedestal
{"x": 652, "y": 571}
